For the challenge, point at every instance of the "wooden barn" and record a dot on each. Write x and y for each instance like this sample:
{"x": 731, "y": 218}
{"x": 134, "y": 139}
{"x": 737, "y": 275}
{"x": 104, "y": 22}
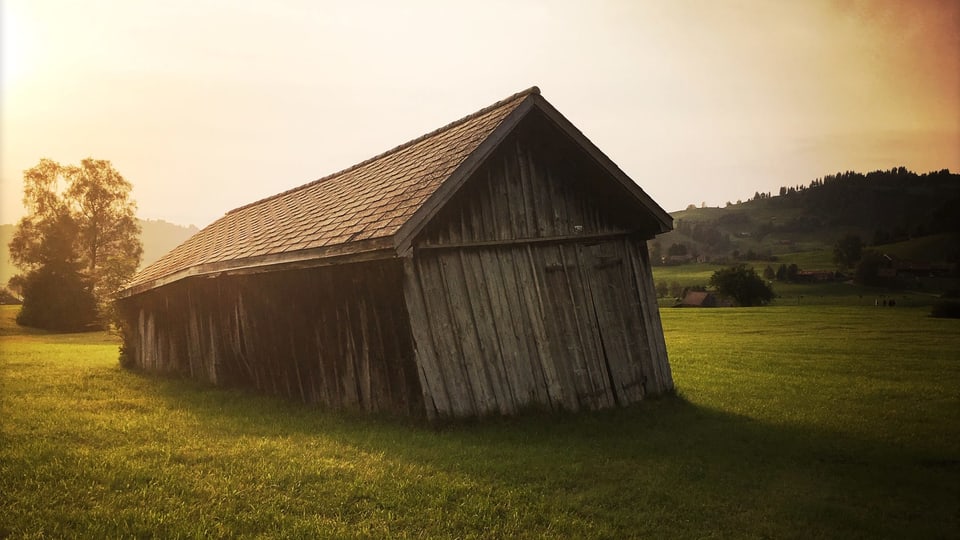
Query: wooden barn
{"x": 496, "y": 264}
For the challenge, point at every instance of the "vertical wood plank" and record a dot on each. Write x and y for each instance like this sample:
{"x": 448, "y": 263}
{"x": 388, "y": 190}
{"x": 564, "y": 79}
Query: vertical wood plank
{"x": 565, "y": 347}
{"x": 464, "y": 331}
{"x": 432, "y": 385}
{"x": 588, "y": 335}
{"x": 508, "y": 325}
{"x": 530, "y": 291}
{"x": 643, "y": 275}
{"x": 559, "y": 363}
{"x": 442, "y": 330}
{"x": 526, "y": 320}
{"x": 525, "y": 186}
{"x": 490, "y": 356}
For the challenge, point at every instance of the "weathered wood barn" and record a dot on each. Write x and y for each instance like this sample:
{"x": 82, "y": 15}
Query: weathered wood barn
{"x": 495, "y": 264}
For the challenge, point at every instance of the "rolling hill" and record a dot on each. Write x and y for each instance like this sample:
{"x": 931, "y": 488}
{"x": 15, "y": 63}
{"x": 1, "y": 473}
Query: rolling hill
{"x": 909, "y": 215}
{"x": 912, "y": 215}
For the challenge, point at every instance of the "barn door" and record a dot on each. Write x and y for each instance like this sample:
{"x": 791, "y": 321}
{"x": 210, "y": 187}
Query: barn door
{"x": 575, "y": 346}
{"x": 593, "y": 323}
{"x": 613, "y": 300}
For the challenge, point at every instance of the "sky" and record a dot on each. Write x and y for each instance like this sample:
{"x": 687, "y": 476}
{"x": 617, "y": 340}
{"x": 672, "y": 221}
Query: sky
{"x": 206, "y": 105}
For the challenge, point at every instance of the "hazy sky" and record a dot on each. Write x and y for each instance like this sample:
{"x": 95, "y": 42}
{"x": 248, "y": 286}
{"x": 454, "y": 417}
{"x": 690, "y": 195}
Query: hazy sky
{"x": 206, "y": 105}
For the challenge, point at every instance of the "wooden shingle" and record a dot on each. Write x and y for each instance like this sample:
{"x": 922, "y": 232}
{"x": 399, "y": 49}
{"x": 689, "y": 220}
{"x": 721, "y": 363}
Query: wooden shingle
{"x": 365, "y": 202}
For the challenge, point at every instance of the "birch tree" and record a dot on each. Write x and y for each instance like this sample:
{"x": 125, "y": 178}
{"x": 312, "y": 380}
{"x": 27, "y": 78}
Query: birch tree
{"x": 96, "y": 199}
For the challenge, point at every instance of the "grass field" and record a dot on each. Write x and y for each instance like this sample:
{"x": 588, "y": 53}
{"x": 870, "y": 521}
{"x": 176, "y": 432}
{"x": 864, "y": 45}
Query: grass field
{"x": 826, "y": 420}
{"x": 827, "y": 293}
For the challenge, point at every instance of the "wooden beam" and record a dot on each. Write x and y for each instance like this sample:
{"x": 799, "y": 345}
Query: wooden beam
{"x": 529, "y": 241}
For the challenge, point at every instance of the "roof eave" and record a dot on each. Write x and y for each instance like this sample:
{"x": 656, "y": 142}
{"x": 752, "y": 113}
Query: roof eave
{"x": 360, "y": 251}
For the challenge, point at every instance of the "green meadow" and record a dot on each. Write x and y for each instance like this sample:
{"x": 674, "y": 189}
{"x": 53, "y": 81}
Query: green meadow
{"x": 832, "y": 418}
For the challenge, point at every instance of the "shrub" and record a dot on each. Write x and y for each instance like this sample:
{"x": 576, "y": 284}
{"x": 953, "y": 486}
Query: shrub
{"x": 743, "y": 285}
{"x": 946, "y": 309}
{"x": 56, "y": 297}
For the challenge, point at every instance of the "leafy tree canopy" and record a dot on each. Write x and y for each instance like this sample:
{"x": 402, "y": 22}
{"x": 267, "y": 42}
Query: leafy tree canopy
{"x": 847, "y": 251}
{"x": 91, "y": 201}
{"x": 56, "y": 294}
{"x": 868, "y": 270}
{"x": 743, "y": 285}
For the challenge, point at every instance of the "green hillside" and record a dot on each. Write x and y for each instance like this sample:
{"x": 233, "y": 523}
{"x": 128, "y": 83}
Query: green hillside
{"x": 899, "y": 212}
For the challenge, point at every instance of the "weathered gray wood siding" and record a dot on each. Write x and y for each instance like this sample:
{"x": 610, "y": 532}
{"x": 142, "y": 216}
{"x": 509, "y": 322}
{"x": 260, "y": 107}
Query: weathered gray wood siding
{"x": 530, "y": 289}
{"x": 335, "y": 336}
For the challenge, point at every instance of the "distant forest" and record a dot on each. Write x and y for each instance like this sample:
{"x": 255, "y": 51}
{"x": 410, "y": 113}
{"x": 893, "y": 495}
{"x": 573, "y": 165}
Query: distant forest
{"x": 897, "y": 204}
{"x": 882, "y": 207}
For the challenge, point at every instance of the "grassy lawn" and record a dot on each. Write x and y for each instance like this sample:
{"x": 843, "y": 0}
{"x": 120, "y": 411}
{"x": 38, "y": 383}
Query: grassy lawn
{"x": 817, "y": 420}
{"x": 687, "y": 275}
{"x": 920, "y": 294}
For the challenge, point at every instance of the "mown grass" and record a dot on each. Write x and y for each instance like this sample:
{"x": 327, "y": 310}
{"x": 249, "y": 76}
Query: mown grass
{"x": 791, "y": 422}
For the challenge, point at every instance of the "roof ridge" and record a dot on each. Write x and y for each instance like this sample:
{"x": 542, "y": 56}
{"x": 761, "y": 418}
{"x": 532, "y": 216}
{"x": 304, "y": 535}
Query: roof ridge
{"x": 532, "y": 90}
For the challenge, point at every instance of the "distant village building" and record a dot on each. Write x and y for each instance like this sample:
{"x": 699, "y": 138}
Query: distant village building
{"x": 698, "y": 299}
{"x": 893, "y": 267}
{"x": 495, "y": 264}
{"x": 816, "y": 275}
{"x": 670, "y": 260}
{"x": 703, "y": 299}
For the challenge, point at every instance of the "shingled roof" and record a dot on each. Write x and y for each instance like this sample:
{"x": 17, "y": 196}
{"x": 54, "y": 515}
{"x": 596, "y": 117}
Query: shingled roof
{"x": 369, "y": 210}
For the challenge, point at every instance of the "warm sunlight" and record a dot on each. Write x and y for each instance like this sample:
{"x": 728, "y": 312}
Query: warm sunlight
{"x": 16, "y": 50}
{"x": 696, "y": 101}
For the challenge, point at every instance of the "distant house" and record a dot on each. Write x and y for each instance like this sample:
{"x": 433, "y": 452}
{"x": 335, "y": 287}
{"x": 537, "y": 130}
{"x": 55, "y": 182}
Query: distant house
{"x": 893, "y": 266}
{"x": 676, "y": 259}
{"x": 816, "y": 275}
{"x": 495, "y": 264}
{"x": 702, "y": 299}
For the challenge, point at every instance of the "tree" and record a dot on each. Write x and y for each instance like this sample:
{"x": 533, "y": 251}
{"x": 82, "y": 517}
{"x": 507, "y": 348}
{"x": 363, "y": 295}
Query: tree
{"x": 675, "y": 289}
{"x": 792, "y": 272}
{"x": 656, "y": 248}
{"x": 868, "y": 270}
{"x": 56, "y": 295}
{"x": 8, "y": 297}
{"x": 742, "y": 284}
{"x": 95, "y": 199}
{"x": 662, "y": 289}
{"x": 109, "y": 233}
{"x": 847, "y": 251}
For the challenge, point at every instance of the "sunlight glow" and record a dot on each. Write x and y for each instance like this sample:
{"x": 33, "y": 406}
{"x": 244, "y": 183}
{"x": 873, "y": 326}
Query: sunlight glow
{"x": 206, "y": 105}
{"x": 16, "y": 48}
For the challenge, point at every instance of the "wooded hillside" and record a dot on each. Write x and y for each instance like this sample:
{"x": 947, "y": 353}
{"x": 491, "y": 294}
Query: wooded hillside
{"x": 882, "y": 207}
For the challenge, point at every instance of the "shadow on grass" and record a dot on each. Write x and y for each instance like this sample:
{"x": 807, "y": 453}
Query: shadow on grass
{"x": 733, "y": 474}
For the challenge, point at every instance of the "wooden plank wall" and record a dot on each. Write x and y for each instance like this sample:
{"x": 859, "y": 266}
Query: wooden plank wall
{"x": 333, "y": 336}
{"x": 559, "y": 326}
{"x": 522, "y": 192}
{"x": 524, "y": 293}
